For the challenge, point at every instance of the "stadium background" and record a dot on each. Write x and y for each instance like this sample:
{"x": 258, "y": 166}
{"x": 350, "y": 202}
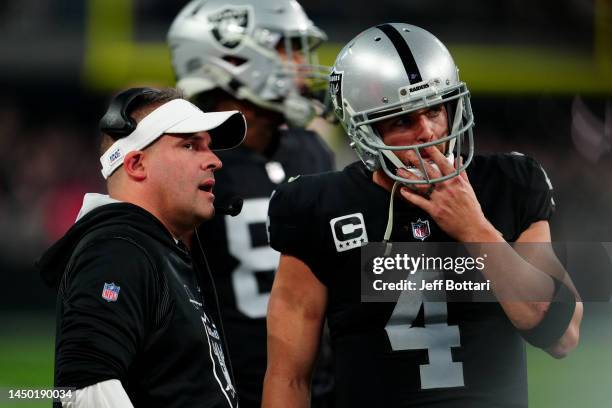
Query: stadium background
{"x": 540, "y": 75}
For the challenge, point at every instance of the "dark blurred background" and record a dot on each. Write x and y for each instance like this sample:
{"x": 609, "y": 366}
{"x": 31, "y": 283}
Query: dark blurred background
{"x": 541, "y": 80}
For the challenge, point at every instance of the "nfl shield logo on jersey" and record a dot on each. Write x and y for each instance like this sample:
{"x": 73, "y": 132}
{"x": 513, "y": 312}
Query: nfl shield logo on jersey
{"x": 349, "y": 232}
{"x": 420, "y": 229}
{"x": 110, "y": 293}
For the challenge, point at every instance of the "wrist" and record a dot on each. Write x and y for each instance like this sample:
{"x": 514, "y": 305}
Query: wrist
{"x": 483, "y": 232}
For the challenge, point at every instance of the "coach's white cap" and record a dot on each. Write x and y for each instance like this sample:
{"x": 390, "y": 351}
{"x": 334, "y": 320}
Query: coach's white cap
{"x": 227, "y": 130}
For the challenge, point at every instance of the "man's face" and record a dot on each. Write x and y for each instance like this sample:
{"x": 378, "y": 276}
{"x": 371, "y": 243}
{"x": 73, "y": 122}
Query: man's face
{"x": 296, "y": 59}
{"x": 417, "y": 127}
{"x": 181, "y": 170}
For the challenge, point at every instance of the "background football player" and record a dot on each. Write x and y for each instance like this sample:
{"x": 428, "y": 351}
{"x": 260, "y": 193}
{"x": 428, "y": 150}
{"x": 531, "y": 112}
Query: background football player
{"x": 256, "y": 57}
{"x": 396, "y": 90}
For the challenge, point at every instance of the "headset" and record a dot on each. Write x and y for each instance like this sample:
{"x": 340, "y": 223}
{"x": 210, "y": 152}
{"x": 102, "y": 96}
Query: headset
{"x": 233, "y": 207}
{"x": 117, "y": 122}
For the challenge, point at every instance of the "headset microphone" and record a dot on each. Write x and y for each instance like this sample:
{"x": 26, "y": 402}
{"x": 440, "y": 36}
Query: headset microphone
{"x": 233, "y": 208}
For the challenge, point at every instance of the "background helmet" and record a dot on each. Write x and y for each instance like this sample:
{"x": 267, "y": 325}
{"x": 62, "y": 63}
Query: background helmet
{"x": 232, "y": 45}
{"x": 390, "y": 70}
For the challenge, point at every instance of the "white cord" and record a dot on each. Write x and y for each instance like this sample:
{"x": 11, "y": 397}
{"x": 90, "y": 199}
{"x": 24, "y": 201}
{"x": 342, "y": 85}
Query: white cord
{"x": 389, "y": 228}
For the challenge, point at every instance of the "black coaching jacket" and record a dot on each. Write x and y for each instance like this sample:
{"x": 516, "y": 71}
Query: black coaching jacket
{"x": 130, "y": 307}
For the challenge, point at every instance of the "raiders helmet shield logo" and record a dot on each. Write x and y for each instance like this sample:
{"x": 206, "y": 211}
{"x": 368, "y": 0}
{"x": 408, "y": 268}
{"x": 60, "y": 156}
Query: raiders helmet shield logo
{"x": 335, "y": 92}
{"x": 230, "y": 25}
{"x": 420, "y": 229}
{"x": 349, "y": 232}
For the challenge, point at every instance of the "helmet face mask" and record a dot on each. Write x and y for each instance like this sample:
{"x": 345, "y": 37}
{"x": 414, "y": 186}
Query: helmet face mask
{"x": 262, "y": 51}
{"x": 393, "y": 70}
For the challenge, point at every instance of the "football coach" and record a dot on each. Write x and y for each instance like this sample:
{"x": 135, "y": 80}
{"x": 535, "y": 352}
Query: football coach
{"x": 133, "y": 326}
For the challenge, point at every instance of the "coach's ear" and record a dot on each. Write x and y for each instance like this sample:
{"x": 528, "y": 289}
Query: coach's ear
{"x": 134, "y": 165}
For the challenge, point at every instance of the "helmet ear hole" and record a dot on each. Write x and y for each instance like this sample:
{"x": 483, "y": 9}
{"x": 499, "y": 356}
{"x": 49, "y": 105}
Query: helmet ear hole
{"x": 193, "y": 65}
{"x": 234, "y": 60}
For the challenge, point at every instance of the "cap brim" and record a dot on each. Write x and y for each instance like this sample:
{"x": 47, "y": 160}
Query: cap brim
{"x": 227, "y": 129}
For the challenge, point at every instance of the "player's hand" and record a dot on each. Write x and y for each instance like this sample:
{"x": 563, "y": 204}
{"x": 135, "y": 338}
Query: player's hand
{"x": 452, "y": 203}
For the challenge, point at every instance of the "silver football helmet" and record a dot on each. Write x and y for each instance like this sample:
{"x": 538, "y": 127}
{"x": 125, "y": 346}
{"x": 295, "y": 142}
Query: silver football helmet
{"x": 391, "y": 70}
{"x": 234, "y": 45}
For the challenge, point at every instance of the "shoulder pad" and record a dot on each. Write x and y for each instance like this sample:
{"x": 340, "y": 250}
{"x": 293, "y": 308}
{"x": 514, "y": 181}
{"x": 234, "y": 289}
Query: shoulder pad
{"x": 524, "y": 171}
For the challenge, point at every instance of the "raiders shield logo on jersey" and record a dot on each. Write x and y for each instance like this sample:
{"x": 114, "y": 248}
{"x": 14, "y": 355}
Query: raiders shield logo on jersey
{"x": 335, "y": 90}
{"x": 217, "y": 357}
{"x": 349, "y": 232}
{"x": 230, "y": 26}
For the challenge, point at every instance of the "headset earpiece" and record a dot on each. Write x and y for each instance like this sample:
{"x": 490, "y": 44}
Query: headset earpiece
{"x": 116, "y": 122}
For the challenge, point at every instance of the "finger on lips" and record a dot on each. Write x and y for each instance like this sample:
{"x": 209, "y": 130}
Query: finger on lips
{"x": 436, "y": 155}
{"x": 412, "y": 157}
{"x": 407, "y": 174}
{"x": 414, "y": 160}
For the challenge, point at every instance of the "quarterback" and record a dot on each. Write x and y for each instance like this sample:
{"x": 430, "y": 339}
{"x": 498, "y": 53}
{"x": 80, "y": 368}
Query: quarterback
{"x": 396, "y": 90}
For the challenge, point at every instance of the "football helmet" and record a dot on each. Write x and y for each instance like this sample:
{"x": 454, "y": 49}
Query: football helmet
{"x": 235, "y": 46}
{"x": 391, "y": 70}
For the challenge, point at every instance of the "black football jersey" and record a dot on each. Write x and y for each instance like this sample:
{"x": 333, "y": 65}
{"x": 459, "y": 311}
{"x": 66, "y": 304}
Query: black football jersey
{"x": 242, "y": 262}
{"x": 410, "y": 353}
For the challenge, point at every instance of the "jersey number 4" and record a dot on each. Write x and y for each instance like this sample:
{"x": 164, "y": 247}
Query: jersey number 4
{"x": 437, "y": 337}
{"x": 253, "y": 253}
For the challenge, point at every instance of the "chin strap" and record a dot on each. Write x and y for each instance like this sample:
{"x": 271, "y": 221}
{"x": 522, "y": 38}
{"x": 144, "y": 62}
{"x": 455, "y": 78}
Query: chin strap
{"x": 389, "y": 228}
